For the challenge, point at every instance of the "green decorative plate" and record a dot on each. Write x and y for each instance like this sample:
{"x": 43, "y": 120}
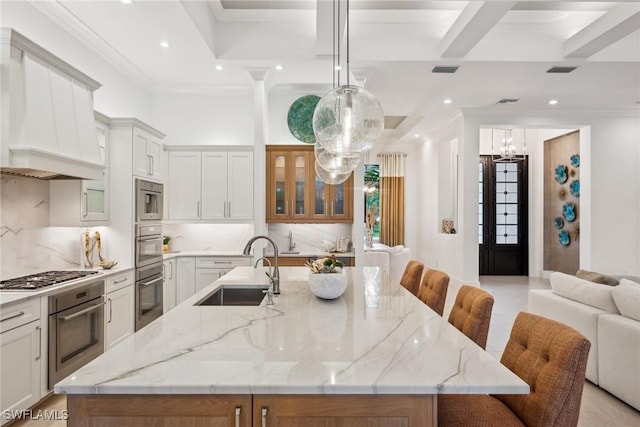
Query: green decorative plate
{"x": 300, "y": 118}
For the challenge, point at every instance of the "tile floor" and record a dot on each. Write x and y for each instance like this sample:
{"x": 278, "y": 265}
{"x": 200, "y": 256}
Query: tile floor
{"x": 598, "y": 408}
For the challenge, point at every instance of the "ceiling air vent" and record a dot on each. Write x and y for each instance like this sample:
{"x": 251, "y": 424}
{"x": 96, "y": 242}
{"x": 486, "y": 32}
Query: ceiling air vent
{"x": 447, "y": 69}
{"x": 561, "y": 69}
{"x": 507, "y": 100}
{"x": 392, "y": 122}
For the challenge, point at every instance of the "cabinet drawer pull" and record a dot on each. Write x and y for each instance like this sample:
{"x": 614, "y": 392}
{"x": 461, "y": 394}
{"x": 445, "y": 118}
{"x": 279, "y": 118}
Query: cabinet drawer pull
{"x": 110, "y": 310}
{"x": 39, "y": 329}
{"x": 264, "y": 417}
{"x": 86, "y": 204}
{"x": 238, "y": 409}
{"x": 222, "y": 262}
{"x": 120, "y": 280}
{"x": 13, "y": 317}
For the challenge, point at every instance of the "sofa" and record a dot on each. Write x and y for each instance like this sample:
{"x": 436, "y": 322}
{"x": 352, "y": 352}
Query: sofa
{"x": 609, "y": 317}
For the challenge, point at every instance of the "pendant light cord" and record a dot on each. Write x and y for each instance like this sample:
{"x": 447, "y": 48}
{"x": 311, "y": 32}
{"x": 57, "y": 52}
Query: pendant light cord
{"x": 338, "y": 41}
{"x": 347, "y": 42}
{"x": 333, "y": 46}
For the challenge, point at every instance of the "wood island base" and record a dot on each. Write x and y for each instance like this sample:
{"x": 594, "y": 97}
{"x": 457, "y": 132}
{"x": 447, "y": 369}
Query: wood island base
{"x": 110, "y": 410}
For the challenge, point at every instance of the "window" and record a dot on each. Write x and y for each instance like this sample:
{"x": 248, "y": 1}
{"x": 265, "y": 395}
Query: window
{"x": 372, "y": 195}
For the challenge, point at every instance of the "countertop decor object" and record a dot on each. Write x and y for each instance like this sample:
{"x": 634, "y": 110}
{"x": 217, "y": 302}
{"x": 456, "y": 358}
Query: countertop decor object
{"x": 327, "y": 280}
{"x": 107, "y": 264}
{"x": 300, "y": 118}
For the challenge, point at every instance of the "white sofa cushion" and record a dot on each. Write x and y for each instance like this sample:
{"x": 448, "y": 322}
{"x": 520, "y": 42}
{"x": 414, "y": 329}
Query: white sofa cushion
{"x": 584, "y": 291}
{"x": 627, "y": 298}
{"x": 581, "y": 317}
{"x": 618, "y": 357}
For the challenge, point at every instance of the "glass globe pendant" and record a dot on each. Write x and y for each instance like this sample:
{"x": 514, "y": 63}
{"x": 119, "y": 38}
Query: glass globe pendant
{"x": 348, "y": 121}
{"x": 329, "y": 177}
{"x": 333, "y": 162}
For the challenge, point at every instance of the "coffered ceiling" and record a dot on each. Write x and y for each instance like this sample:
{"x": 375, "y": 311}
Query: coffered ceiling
{"x": 503, "y": 49}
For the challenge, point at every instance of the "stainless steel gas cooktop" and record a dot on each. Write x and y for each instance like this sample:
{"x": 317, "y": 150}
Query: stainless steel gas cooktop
{"x": 41, "y": 280}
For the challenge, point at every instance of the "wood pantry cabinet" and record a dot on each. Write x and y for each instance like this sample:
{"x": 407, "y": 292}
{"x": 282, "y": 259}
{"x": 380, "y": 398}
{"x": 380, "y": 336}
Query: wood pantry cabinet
{"x": 210, "y": 185}
{"x": 295, "y": 194}
{"x": 252, "y": 410}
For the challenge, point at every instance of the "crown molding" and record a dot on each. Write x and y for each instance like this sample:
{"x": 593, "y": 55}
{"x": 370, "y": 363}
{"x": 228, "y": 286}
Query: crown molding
{"x": 59, "y": 14}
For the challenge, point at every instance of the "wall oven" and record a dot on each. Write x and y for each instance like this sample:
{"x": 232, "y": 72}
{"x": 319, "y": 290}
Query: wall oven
{"x": 149, "y": 201}
{"x": 149, "y": 282}
{"x": 148, "y": 244}
{"x": 76, "y": 329}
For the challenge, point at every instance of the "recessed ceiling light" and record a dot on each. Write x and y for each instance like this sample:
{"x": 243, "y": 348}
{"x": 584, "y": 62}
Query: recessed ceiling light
{"x": 126, "y": 1}
{"x": 279, "y": 67}
{"x": 447, "y": 101}
{"x": 219, "y": 67}
{"x": 553, "y": 101}
{"x": 416, "y": 135}
{"x": 164, "y": 44}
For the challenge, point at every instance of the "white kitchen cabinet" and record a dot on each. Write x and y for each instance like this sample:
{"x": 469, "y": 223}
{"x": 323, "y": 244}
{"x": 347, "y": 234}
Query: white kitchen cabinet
{"x": 210, "y": 185}
{"x": 210, "y": 269}
{"x": 83, "y": 202}
{"x": 186, "y": 278}
{"x": 21, "y": 355}
{"x": 120, "y": 307}
{"x": 147, "y": 155}
{"x": 169, "y": 285}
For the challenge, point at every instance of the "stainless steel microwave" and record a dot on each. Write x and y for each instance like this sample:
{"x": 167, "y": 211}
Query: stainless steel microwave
{"x": 149, "y": 200}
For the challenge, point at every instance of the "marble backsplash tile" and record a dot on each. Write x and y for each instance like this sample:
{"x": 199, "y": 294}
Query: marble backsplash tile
{"x": 208, "y": 237}
{"x": 28, "y": 244}
{"x": 307, "y": 237}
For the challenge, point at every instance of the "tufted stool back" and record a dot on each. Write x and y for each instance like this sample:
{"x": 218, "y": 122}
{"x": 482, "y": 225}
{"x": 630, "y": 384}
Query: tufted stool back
{"x": 551, "y": 357}
{"x": 433, "y": 289}
{"x": 471, "y": 313}
{"x": 411, "y": 277}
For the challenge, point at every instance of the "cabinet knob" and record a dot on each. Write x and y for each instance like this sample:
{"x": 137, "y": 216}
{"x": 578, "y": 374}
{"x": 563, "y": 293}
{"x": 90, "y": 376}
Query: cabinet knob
{"x": 264, "y": 417}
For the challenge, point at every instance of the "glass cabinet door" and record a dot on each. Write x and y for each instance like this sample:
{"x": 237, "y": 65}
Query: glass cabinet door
{"x": 339, "y": 197}
{"x": 320, "y": 199}
{"x": 277, "y": 185}
{"x": 300, "y": 181}
{"x": 95, "y": 193}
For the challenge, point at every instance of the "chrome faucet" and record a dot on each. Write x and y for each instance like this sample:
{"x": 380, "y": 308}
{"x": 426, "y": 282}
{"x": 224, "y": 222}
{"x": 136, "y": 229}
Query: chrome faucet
{"x": 292, "y": 245}
{"x": 275, "y": 277}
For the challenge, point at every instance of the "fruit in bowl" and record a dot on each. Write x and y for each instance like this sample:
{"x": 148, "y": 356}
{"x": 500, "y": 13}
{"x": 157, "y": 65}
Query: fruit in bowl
{"x": 107, "y": 263}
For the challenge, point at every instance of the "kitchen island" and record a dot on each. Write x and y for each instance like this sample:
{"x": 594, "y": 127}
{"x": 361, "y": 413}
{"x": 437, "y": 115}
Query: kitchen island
{"x": 376, "y": 354}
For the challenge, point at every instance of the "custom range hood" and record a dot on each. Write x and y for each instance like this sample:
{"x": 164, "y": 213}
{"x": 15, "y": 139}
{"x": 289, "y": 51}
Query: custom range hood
{"x": 48, "y": 127}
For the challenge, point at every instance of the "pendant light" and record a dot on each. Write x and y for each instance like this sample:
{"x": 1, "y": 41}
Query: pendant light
{"x": 331, "y": 177}
{"x": 333, "y": 162}
{"x": 349, "y": 119}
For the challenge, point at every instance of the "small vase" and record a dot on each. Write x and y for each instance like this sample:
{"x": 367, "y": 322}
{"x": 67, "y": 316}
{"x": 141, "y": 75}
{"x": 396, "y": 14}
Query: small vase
{"x": 165, "y": 248}
{"x": 328, "y": 285}
{"x": 368, "y": 237}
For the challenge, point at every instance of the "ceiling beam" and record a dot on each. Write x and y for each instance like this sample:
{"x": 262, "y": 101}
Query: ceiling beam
{"x": 204, "y": 20}
{"x": 472, "y": 25}
{"x": 616, "y": 24}
{"x": 325, "y": 24}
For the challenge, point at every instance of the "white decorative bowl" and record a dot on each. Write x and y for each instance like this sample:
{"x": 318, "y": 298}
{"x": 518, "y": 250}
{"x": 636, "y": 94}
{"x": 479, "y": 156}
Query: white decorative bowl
{"x": 328, "y": 285}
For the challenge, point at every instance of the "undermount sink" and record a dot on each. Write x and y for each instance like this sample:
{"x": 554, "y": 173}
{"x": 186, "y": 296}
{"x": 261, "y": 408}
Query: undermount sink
{"x": 235, "y": 295}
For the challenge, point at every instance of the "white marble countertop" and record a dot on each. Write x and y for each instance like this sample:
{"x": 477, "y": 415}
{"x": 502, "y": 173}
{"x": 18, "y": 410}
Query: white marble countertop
{"x": 8, "y": 297}
{"x": 377, "y": 338}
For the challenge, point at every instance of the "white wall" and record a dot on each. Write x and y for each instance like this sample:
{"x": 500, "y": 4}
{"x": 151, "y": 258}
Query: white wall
{"x": 212, "y": 117}
{"x": 119, "y": 95}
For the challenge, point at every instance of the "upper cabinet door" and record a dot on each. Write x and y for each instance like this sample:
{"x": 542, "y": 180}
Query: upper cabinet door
{"x": 141, "y": 161}
{"x": 240, "y": 185}
{"x": 95, "y": 194}
{"x": 154, "y": 151}
{"x": 341, "y": 201}
{"x": 214, "y": 185}
{"x": 300, "y": 185}
{"x": 277, "y": 190}
{"x": 184, "y": 191}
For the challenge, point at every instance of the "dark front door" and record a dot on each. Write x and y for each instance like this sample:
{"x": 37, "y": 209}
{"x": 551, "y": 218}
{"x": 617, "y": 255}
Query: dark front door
{"x": 503, "y": 219}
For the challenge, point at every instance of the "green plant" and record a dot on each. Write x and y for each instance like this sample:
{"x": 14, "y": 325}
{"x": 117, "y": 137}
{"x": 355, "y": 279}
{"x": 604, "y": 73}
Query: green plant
{"x": 166, "y": 240}
{"x": 326, "y": 265}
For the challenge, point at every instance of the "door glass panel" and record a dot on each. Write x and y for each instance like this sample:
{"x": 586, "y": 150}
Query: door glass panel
{"x": 301, "y": 178}
{"x": 506, "y": 204}
{"x": 319, "y": 202}
{"x": 480, "y": 205}
{"x": 338, "y": 199}
{"x": 280, "y": 195}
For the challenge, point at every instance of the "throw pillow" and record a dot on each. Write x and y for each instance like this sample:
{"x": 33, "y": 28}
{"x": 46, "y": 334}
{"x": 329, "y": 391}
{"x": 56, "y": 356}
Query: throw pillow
{"x": 627, "y": 297}
{"x": 594, "y": 277}
{"x": 584, "y": 291}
